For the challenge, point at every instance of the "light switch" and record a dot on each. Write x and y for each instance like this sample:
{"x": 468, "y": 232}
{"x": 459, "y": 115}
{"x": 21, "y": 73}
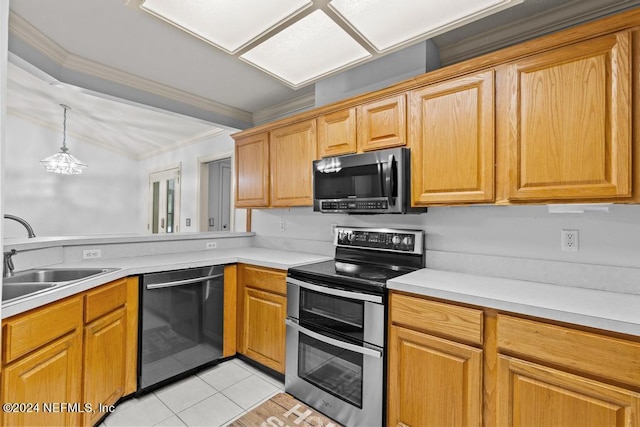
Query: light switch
{"x": 188, "y": 222}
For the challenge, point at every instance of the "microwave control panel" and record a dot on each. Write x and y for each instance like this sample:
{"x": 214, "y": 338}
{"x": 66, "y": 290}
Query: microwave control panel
{"x": 381, "y": 239}
{"x": 359, "y": 205}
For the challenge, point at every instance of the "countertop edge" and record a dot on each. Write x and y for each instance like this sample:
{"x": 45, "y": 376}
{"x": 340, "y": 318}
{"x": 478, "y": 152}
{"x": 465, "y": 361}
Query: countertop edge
{"x": 151, "y": 264}
{"x": 592, "y": 311}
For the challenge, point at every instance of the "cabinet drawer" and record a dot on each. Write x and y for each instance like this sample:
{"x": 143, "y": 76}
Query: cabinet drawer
{"x": 596, "y": 354}
{"x": 105, "y": 299}
{"x": 431, "y": 316}
{"x": 26, "y": 332}
{"x": 263, "y": 278}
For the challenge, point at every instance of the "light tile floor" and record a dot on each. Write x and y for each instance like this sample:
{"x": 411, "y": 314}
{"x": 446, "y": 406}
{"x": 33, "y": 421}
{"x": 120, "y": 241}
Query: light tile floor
{"x": 212, "y": 397}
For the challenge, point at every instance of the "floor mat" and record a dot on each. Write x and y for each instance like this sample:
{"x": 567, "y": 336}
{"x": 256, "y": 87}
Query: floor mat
{"x": 158, "y": 343}
{"x": 281, "y": 410}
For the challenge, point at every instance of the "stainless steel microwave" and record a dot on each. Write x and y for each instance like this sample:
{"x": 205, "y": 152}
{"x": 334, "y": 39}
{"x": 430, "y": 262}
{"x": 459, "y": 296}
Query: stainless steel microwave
{"x": 367, "y": 183}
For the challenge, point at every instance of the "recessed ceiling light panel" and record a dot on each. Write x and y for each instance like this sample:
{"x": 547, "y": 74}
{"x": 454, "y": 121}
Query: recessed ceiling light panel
{"x": 311, "y": 48}
{"x": 390, "y": 24}
{"x": 227, "y": 24}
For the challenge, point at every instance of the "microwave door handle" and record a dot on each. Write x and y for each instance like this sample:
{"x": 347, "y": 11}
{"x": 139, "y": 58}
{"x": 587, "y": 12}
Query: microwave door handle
{"x": 389, "y": 179}
{"x": 331, "y": 341}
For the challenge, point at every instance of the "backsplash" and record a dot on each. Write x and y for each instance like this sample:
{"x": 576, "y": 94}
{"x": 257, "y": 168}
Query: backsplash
{"x": 519, "y": 242}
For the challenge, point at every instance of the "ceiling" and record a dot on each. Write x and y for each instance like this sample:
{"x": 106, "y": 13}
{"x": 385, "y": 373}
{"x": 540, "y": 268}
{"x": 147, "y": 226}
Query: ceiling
{"x": 174, "y": 88}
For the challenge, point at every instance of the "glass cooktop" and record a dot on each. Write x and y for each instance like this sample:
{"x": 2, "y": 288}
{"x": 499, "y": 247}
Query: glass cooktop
{"x": 347, "y": 274}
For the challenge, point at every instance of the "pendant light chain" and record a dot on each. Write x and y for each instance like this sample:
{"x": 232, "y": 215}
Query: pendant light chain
{"x": 64, "y": 129}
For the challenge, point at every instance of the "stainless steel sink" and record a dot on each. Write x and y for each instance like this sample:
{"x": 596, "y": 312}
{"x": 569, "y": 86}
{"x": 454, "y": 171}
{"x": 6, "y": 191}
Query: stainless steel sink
{"x": 17, "y": 290}
{"x": 29, "y": 282}
{"x": 53, "y": 275}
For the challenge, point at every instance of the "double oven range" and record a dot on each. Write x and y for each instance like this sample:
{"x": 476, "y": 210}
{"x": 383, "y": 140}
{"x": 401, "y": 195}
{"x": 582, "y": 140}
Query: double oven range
{"x": 336, "y": 317}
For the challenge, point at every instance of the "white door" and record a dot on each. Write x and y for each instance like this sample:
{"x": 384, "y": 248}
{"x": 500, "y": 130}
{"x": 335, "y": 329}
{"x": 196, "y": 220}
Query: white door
{"x": 164, "y": 201}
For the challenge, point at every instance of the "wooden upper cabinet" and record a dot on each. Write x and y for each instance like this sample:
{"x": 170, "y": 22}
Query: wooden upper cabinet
{"x": 292, "y": 149}
{"x": 382, "y": 123}
{"x": 252, "y": 171}
{"x": 337, "y": 133}
{"x": 452, "y": 141}
{"x": 565, "y": 122}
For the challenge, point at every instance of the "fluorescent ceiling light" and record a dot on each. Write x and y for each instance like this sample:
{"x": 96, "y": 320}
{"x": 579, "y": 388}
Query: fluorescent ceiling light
{"x": 311, "y": 48}
{"x": 227, "y": 24}
{"x": 390, "y": 24}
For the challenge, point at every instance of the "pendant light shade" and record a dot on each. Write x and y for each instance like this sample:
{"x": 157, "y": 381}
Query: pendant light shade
{"x": 63, "y": 162}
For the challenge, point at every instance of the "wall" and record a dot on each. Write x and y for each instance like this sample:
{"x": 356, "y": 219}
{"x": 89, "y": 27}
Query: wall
{"x": 103, "y": 199}
{"x": 520, "y": 242}
{"x": 188, "y": 157}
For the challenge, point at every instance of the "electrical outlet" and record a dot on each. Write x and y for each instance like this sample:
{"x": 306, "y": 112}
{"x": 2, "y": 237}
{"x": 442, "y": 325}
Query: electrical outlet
{"x": 188, "y": 222}
{"x": 92, "y": 254}
{"x": 282, "y": 225}
{"x": 212, "y": 245}
{"x": 569, "y": 240}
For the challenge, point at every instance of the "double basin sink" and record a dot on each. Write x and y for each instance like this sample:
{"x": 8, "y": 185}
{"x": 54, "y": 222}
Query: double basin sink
{"x": 28, "y": 282}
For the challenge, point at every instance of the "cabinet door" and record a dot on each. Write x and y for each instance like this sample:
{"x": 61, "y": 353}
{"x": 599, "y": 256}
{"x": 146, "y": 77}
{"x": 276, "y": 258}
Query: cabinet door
{"x": 264, "y": 328}
{"x": 252, "y": 171}
{"x": 292, "y": 149}
{"x": 566, "y": 122}
{"x": 382, "y": 124}
{"x": 337, "y": 133}
{"x": 433, "y": 382}
{"x": 452, "y": 141}
{"x": 535, "y": 395}
{"x": 50, "y": 375}
{"x": 105, "y": 363}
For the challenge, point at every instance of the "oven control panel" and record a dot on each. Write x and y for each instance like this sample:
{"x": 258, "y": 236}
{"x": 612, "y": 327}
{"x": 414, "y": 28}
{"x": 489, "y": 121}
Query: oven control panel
{"x": 381, "y": 239}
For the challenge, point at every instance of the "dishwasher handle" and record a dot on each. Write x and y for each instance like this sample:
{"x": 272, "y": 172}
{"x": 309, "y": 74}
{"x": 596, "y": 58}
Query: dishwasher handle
{"x": 183, "y": 282}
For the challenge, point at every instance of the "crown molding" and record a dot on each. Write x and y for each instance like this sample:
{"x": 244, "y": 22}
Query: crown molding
{"x": 201, "y": 137}
{"x": 294, "y": 106}
{"x": 30, "y": 35}
{"x": 567, "y": 15}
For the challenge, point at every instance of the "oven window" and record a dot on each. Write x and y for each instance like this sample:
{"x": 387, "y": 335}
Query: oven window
{"x": 334, "y": 370}
{"x": 342, "y": 315}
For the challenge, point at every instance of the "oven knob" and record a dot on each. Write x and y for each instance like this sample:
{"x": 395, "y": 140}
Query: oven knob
{"x": 395, "y": 240}
{"x": 351, "y": 237}
{"x": 407, "y": 241}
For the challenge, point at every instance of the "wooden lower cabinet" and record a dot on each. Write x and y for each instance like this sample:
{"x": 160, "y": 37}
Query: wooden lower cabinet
{"x": 535, "y": 395}
{"x": 50, "y": 376}
{"x": 453, "y": 365}
{"x": 433, "y": 381}
{"x": 434, "y": 373}
{"x": 78, "y": 352}
{"x": 262, "y": 310}
{"x": 104, "y": 361}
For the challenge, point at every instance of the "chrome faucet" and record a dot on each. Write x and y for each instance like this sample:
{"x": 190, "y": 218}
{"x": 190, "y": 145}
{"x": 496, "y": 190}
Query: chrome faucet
{"x": 24, "y": 223}
{"x": 8, "y": 263}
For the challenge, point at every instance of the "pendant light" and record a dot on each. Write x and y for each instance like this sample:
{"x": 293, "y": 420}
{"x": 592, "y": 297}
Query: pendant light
{"x": 63, "y": 162}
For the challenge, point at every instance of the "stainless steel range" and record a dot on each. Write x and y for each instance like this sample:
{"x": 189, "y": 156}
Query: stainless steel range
{"x": 336, "y": 317}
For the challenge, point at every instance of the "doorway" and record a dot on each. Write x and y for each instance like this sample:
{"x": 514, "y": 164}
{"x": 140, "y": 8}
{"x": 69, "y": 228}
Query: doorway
{"x": 164, "y": 201}
{"x": 215, "y": 201}
{"x": 219, "y": 212}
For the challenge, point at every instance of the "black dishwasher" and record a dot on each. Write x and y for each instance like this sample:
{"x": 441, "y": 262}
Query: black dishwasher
{"x": 181, "y": 323}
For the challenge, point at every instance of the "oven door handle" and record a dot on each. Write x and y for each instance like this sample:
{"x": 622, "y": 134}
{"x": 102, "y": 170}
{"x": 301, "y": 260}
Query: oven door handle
{"x": 336, "y": 343}
{"x": 183, "y": 282}
{"x": 336, "y": 292}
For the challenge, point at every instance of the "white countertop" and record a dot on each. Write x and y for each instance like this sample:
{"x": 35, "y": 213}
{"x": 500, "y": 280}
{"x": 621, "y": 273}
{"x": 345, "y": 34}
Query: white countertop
{"x": 155, "y": 263}
{"x": 599, "y": 309}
